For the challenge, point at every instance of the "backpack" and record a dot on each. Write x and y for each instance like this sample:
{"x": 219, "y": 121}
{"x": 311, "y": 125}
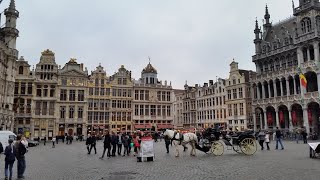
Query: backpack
{"x": 1, "y": 148}
{"x": 10, "y": 154}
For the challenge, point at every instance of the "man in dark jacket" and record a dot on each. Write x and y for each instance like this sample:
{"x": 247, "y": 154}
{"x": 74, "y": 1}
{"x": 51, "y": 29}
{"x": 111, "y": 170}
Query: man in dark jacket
{"x": 88, "y": 142}
{"x": 10, "y": 158}
{"x": 279, "y": 138}
{"x": 20, "y": 152}
{"x": 114, "y": 143}
{"x": 167, "y": 142}
{"x": 93, "y": 143}
{"x": 106, "y": 145}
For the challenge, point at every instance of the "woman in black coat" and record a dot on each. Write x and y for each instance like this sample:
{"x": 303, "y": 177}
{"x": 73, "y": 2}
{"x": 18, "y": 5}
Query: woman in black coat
{"x": 106, "y": 145}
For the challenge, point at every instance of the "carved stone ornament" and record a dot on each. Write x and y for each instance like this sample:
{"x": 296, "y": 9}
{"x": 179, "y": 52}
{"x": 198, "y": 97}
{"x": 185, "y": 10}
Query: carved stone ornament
{"x": 153, "y": 96}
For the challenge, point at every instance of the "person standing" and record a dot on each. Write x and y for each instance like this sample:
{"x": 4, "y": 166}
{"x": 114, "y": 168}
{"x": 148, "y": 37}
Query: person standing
{"x": 261, "y": 138}
{"x": 279, "y": 138}
{"x": 119, "y": 139}
{"x": 267, "y": 140}
{"x": 130, "y": 143}
{"x": 114, "y": 144}
{"x": 106, "y": 145}
{"x": 167, "y": 142}
{"x": 9, "y": 159}
{"x": 88, "y": 142}
{"x": 53, "y": 141}
{"x": 93, "y": 144}
{"x": 304, "y": 136}
{"x": 44, "y": 140}
{"x": 125, "y": 142}
{"x": 20, "y": 155}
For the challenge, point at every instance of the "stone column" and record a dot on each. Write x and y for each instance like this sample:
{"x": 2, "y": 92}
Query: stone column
{"x": 263, "y": 92}
{"x": 265, "y": 120}
{"x": 300, "y": 55}
{"x": 269, "y": 89}
{"x": 281, "y": 88}
{"x": 305, "y": 119}
{"x": 258, "y": 93}
{"x": 277, "y": 118}
{"x": 290, "y": 121}
{"x": 287, "y": 86}
{"x": 254, "y": 120}
{"x": 308, "y": 54}
{"x": 294, "y": 86}
{"x": 275, "y": 88}
{"x": 316, "y": 51}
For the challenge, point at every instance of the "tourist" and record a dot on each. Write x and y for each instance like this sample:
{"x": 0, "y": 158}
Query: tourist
{"x": 93, "y": 144}
{"x": 136, "y": 142}
{"x": 167, "y": 142}
{"x": 279, "y": 137}
{"x": 304, "y": 136}
{"x": 114, "y": 144}
{"x": 125, "y": 142}
{"x": 267, "y": 139}
{"x": 297, "y": 135}
{"x": 53, "y": 141}
{"x": 20, "y": 155}
{"x": 261, "y": 138}
{"x": 88, "y": 142}
{"x": 44, "y": 140}
{"x": 119, "y": 139}
{"x": 130, "y": 143}
{"x": 9, "y": 159}
{"x": 106, "y": 145}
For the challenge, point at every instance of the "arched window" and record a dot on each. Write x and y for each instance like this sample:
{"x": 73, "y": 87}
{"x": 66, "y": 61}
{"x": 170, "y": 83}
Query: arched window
{"x": 306, "y": 25}
{"x": 20, "y": 69}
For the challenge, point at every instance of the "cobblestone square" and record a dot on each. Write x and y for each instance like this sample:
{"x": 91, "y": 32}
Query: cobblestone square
{"x": 67, "y": 162}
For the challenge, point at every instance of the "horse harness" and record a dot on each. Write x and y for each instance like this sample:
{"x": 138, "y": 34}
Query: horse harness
{"x": 180, "y": 139}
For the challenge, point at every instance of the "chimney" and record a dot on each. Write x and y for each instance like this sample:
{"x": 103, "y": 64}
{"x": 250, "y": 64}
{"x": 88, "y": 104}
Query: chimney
{"x": 205, "y": 84}
{"x": 210, "y": 82}
{"x": 81, "y": 66}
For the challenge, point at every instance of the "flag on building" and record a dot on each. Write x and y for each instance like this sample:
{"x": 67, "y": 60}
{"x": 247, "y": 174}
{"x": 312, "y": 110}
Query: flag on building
{"x": 303, "y": 80}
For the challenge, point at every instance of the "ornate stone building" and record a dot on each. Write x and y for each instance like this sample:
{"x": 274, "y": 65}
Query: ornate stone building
{"x": 72, "y": 100}
{"x": 23, "y": 95}
{"x": 45, "y": 96}
{"x": 152, "y": 104}
{"x": 8, "y": 58}
{"x": 98, "y": 101}
{"x": 238, "y": 100}
{"x": 121, "y": 103}
{"x": 178, "y": 108}
{"x": 283, "y": 51}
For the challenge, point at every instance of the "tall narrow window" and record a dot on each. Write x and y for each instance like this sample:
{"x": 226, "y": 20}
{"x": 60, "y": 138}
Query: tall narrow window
{"x": 80, "y": 112}
{"x": 71, "y": 112}
{"x": 62, "y": 112}
{"x": 72, "y": 95}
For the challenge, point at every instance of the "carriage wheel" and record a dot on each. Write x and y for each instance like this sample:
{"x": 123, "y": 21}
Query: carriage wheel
{"x": 217, "y": 148}
{"x": 248, "y": 146}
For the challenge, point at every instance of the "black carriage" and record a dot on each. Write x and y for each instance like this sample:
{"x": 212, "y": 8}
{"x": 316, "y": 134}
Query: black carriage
{"x": 241, "y": 142}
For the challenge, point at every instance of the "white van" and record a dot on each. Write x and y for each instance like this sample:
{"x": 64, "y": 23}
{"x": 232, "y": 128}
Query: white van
{"x": 5, "y": 136}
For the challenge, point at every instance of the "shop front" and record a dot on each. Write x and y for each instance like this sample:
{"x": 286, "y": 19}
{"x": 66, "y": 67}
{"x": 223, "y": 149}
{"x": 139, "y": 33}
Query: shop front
{"x": 70, "y": 129}
{"x": 79, "y": 129}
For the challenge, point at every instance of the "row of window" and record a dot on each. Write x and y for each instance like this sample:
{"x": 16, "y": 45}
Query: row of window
{"x": 210, "y": 102}
{"x": 22, "y": 105}
{"x": 152, "y": 121}
{"x": 121, "y": 104}
{"x": 73, "y": 82}
{"x": 99, "y": 91}
{"x": 71, "y": 112}
{"x": 153, "y": 110}
{"x": 236, "y": 93}
{"x": 98, "y": 104}
{"x": 211, "y": 114}
{"x": 233, "y": 109}
{"x": 72, "y": 95}
{"x": 121, "y": 92}
{"x": 44, "y": 91}
{"x": 96, "y": 116}
{"x": 44, "y": 108}
{"x": 121, "y": 116}
{"x": 25, "y": 88}
{"x": 236, "y": 121}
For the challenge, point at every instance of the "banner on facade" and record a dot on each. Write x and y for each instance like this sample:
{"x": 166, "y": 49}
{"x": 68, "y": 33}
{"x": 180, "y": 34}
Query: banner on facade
{"x": 269, "y": 118}
{"x": 281, "y": 117}
{"x": 294, "y": 117}
{"x": 309, "y": 116}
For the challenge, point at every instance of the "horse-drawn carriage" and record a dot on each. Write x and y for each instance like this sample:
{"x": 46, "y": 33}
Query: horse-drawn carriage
{"x": 241, "y": 142}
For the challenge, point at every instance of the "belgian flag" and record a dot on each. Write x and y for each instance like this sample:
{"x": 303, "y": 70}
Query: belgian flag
{"x": 303, "y": 80}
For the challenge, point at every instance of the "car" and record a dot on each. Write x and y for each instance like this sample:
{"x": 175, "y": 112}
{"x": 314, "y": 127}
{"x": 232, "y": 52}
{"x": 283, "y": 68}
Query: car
{"x": 32, "y": 143}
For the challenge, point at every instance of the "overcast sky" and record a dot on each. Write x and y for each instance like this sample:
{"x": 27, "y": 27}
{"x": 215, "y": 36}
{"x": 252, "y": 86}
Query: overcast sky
{"x": 193, "y": 40}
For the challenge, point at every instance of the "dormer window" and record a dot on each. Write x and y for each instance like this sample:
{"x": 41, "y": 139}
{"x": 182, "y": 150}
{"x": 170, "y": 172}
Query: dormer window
{"x": 20, "y": 69}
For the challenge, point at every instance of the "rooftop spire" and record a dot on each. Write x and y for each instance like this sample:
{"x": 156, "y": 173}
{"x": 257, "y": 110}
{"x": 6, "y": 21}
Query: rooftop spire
{"x": 12, "y": 5}
{"x": 267, "y": 15}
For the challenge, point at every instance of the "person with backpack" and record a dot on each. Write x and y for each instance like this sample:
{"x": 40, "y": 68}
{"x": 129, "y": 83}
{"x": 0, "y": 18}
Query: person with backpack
{"x": 9, "y": 159}
{"x": 20, "y": 156}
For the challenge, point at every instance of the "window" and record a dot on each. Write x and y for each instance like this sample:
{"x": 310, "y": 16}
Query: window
{"x": 23, "y": 88}
{"x": 168, "y": 110}
{"x": 153, "y": 110}
{"x": 72, "y": 95}
{"x": 240, "y": 93}
{"x": 119, "y": 93}
{"x": 141, "y": 110}
{"x": 96, "y": 82}
{"x": 63, "y": 95}
{"x": 96, "y": 91}
{"x": 80, "y": 112}
{"x": 64, "y": 82}
{"x": 71, "y": 112}
{"x": 163, "y": 96}
{"x": 38, "y": 108}
{"x": 146, "y": 110}
{"x": 124, "y": 93}
{"x": 114, "y": 92}
{"x": 62, "y": 112}
{"x": 241, "y": 109}
{"x": 119, "y": 80}
{"x": 45, "y": 91}
{"x": 28, "y": 106}
{"x": 20, "y": 69}
{"x": 90, "y": 117}
{"x": 51, "y": 108}
{"x": 233, "y": 81}
{"x": 90, "y": 91}
{"x": 124, "y": 81}
{"x": 108, "y": 91}
{"x": 235, "y": 109}
{"x": 52, "y": 90}
{"x": 141, "y": 94}
{"x": 102, "y": 82}
{"x": 136, "y": 95}
{"x": 306, "y": 25}
{"x": 229, "y": 109}
{"x": 229, "y": 94}
{"x": 136, "y": 110}
{"x": 168, "y": 96}
{"x": 80, "y": 95}
{"x": 44, "y": 108}
{"x": 16, "y": 88}
{"x": 234, "y": 91}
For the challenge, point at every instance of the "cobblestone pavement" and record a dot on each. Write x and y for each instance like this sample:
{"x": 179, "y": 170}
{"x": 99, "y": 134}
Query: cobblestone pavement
{"x": 72, "y": 162}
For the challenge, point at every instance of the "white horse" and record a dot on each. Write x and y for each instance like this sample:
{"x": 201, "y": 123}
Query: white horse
{"x": 187, "y": 138}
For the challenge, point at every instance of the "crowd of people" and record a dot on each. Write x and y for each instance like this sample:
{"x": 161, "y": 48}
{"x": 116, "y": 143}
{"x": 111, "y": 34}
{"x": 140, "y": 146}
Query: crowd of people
{"x": 15, "y": 151}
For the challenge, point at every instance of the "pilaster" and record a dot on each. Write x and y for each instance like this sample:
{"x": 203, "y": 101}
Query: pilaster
{"x": 277, "y": 118}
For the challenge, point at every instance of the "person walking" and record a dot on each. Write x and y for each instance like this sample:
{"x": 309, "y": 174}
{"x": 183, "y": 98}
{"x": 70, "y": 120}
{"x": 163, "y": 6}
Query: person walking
{"x": 279, "y": 138}
{"x": 304, "y": 136}
{"x": 53, "y": 141}
{"x": 44, "y": 140}
{"x": 114, "y": 144}
{"x": 93, "y": 144}
{"x": 88, "y": 142}
{"x": 297, "y": 135}
{"x": 119, "y": 139}
{"x": 106, "y": 145}
{"x": 9, "y": 159}
{"x": 261, "y": 138}
{"x": 167, "y": 142}
{"x": 267, "y": 140}
{"x": 20, "y": 155}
